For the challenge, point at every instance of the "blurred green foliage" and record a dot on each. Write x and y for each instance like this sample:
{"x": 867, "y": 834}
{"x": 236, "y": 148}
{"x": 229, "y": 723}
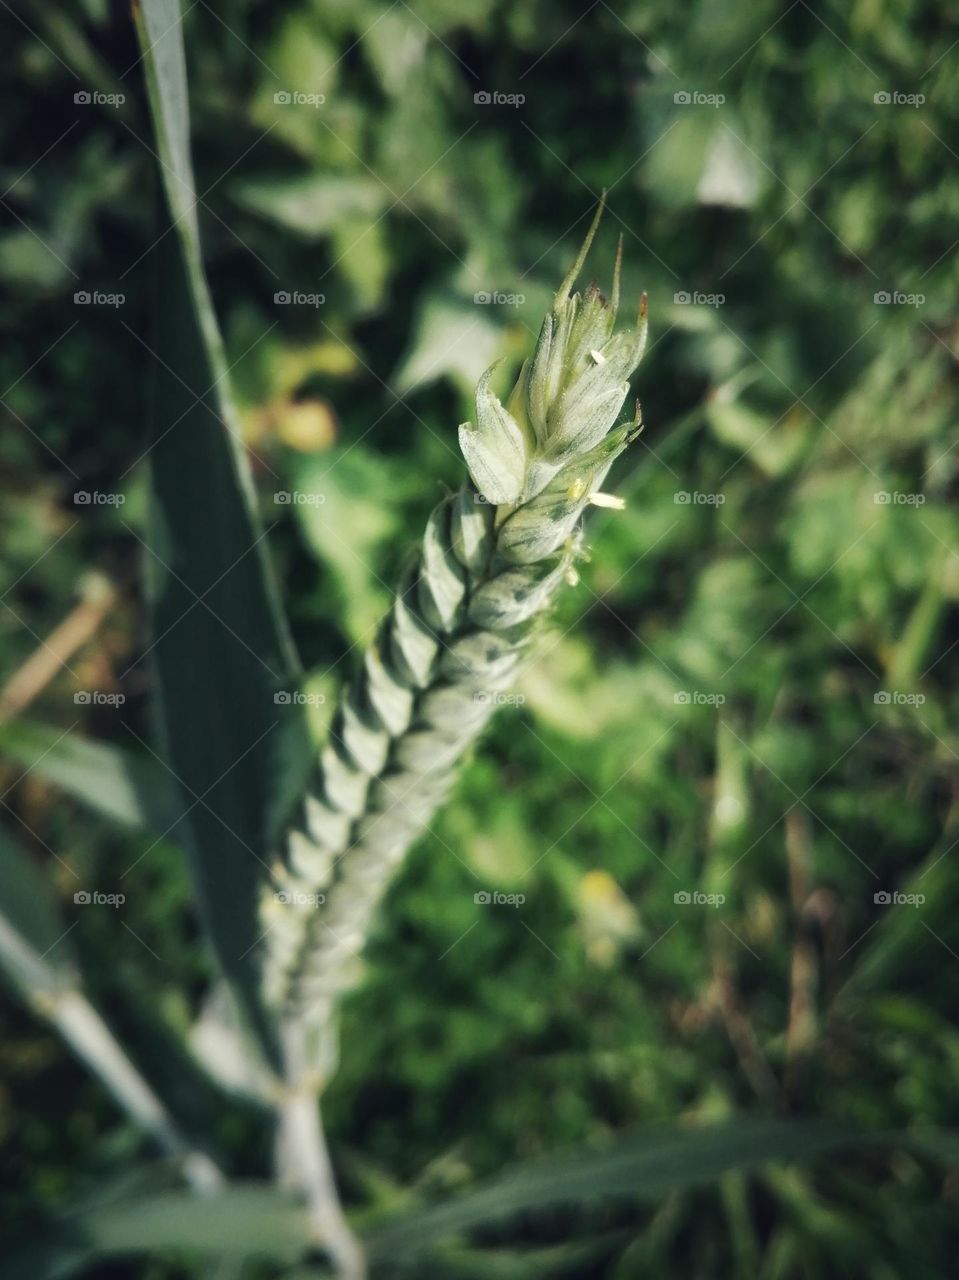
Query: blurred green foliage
{"x": 757, "y": 563}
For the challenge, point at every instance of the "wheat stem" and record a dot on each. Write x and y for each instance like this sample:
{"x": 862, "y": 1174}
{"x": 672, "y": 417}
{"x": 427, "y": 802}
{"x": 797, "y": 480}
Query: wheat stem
{"x": 303, "y": 1160}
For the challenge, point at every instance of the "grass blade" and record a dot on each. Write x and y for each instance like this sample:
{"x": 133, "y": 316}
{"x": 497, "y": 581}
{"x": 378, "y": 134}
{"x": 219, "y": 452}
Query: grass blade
{"x": 221, "y": 648}
{"x": 647, "y": 1165}
{"x": 126, "y": 787}
{"x": 34, "y": 949}
{"x": 238, "y": 1221}
{"x": 36, "y": 954}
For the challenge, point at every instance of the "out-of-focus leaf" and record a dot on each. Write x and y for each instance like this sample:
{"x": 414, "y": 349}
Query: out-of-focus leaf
{"x": 451, "y": 339}
{"x": 52, "y": 1255}
{"x": 300, "y": 86}
{"x": 731, "y": 173}
{"x": 250, "y": 1220}
{"x": 314, "y": 205}
{"x": 675, "y": 166}
{"x": 773, "y": 441}
{"x": 396, "y": 46}
{"x": 456, "y": 1263}
{"x": 647, "y": 1165}
{"x": 24, "y": 261}
{"x": 33, "y": 949}
{"x": 36, "y": 953}
{"x": 125, "y": 786}
{"x": 221, "y": 648}
{"x": 362, "y": 256}
{"x": 218, "y": 1043}
{"x": 255, "y": 1220}
{"x": 355, "y": 510}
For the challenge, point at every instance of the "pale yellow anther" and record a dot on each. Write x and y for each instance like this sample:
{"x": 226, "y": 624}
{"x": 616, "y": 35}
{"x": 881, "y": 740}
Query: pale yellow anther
{"x": 576, "y": 490}
{"x": 607, "y": 500}
{"x": 598, "y": 357}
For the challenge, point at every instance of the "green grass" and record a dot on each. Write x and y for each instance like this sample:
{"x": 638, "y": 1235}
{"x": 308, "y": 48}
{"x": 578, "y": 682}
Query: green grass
{"x": 486, "y": 1035}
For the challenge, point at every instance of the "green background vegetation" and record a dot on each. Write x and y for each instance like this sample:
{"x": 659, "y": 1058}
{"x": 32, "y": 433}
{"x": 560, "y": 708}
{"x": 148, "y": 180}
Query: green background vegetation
{"x": 484, "y": 1034}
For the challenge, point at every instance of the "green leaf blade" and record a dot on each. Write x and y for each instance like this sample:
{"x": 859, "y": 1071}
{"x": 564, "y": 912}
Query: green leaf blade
{"x": 221, "y": 650}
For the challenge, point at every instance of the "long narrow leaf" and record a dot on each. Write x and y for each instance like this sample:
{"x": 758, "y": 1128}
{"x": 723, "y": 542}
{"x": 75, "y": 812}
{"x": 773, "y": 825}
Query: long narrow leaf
{"x": 126, "y": 787}
{"x": 35, "y": 951}
{"x": 244, "y": 1221}
{"x": 647, "y": 1166}
{"x": 260, "y": 1220}
{"x": 221, "y": 649}
{"x": 37, "y": 956}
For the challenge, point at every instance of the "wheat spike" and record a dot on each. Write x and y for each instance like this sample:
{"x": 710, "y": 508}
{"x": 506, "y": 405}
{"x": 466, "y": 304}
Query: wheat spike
{"x": 491, "y": 562}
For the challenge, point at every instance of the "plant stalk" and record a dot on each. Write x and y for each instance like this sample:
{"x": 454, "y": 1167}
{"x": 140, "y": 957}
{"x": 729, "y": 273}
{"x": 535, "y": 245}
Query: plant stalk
{"x": 303, "y": 1159}
{"x": 82, "y": 1027}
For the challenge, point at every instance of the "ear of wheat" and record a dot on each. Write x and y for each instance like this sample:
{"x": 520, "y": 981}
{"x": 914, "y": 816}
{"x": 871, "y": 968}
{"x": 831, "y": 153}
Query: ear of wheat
{"x": 492, "y": 559}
